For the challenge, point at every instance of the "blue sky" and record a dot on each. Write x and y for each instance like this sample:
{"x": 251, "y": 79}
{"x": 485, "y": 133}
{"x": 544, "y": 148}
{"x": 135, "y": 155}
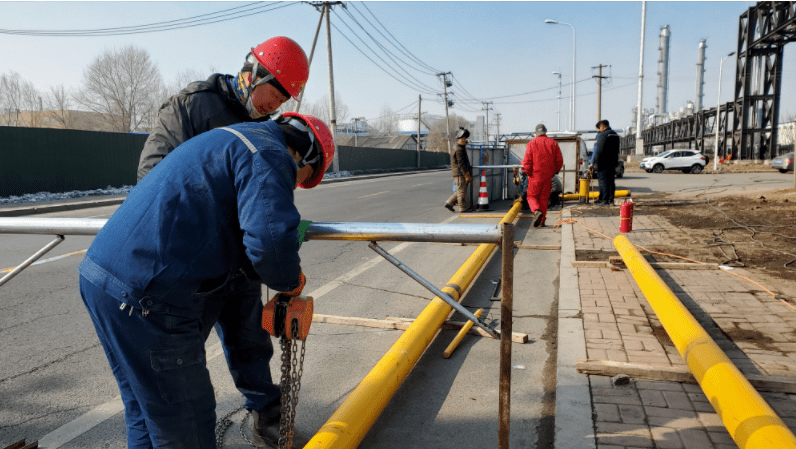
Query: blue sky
{"x": 493, "y": 49}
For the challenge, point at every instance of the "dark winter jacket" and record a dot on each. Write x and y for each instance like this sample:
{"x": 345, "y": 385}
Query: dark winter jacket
{"x": 460, "y": 163}
{"x": 606, "y": 151}
{"x": 200, "y": 107}
{"x": 215, "y": 205}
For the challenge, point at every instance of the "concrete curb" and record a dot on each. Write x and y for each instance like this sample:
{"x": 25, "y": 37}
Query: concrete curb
{"x": 15, "y": 210}
{"x": 574, "y": 428}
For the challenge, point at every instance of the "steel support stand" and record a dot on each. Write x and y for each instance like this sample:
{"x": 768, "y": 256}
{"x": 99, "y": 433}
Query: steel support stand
{"x": 506, "y": 317}
{"x": 31, "y": 259}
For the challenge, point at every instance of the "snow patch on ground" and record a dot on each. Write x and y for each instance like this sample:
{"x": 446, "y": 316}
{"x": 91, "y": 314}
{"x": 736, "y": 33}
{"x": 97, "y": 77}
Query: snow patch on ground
{"x": 47, "y": 196}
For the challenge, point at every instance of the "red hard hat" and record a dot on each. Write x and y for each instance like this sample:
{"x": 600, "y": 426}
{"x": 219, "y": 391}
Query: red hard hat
{"x": 285, "y": 59}
{"x": 324, "y": 137}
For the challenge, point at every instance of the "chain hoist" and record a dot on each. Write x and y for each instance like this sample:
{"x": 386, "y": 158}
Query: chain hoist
{"x": 289, "y": 318}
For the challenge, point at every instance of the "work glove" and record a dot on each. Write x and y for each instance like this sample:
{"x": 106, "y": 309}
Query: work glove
{"x": 591, "y": 167}
{"x": 468, "y": 177}
{"x": 297, "y": 291}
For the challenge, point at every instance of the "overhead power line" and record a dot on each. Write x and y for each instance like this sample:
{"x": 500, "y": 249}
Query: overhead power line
{"x": 224, "y": 15}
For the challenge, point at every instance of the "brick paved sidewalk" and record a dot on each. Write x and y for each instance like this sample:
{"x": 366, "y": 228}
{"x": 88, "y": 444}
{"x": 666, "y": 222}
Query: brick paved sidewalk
{"x": 756, "y": 331}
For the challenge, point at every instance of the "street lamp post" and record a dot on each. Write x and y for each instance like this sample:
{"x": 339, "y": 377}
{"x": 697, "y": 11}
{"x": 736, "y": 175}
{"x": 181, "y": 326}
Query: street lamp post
{"x": 718, "y": 117}
{"x": 559, "y": 100}
{"x": 574, "y": 77}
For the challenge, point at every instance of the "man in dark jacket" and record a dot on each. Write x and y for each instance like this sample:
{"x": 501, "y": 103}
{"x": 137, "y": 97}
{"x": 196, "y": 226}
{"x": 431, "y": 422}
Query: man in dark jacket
{"x": 606, "y": 153}
{"x": 220, "y": 204}
{"x": 280, "y": 71}
{"x": 462, "y": 172}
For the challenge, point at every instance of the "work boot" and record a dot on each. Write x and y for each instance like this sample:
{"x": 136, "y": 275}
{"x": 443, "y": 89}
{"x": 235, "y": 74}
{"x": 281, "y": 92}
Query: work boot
{"x": 537, "y": 218}
{"x": 265, "y": 430}
{"x": 449, "y": 207}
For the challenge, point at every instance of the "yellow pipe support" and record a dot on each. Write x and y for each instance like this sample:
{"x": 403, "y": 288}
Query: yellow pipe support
{"x": 573, "y": 196}
{"x": 751, "y": 422}
{"x": 349, "y": 424}
{"x": 584, "y": 188}
{"x": 458, "y": 339}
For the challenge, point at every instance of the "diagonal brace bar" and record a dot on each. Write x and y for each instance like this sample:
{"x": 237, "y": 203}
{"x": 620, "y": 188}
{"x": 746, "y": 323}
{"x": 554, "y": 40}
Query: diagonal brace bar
{"x": 451, "y": 302}
{"x": 31, "y": 259}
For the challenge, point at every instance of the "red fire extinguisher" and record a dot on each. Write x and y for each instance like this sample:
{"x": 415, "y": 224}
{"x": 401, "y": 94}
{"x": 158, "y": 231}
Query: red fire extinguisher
{"x": 626, "y": 216}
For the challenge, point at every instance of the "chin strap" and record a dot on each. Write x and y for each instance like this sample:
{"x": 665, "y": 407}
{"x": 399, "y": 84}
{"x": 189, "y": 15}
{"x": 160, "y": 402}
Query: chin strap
{"x": 304, "y": 128}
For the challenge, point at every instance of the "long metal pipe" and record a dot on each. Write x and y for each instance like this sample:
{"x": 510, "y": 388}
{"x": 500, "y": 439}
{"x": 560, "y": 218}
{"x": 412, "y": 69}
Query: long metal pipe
{"x": 751, "y": 422}
{"x": 351, "y": 421}
{"x": 394, "y": 232}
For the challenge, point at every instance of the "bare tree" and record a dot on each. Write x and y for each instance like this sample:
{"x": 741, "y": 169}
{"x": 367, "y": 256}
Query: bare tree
{"x": 59, "y": 101}
{"x": 385, "y": 124}
{"x": 124, "y": 86}
{"x": 436, "y": 134}
{"x": 32, "y": 102}
{"x": 12, "y": 87}
{"x": 320, "y": 108}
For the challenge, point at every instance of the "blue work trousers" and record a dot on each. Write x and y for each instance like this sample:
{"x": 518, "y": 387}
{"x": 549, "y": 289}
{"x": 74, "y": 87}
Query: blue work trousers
{"x": 160, "y": 366}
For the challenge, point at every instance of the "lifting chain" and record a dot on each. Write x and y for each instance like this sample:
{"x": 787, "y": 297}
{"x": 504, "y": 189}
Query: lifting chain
{"x": 292, "y": 369}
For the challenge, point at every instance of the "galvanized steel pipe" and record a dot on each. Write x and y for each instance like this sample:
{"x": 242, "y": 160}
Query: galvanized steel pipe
{"x": 575, "y": 196}
{"x": 393, "y": 232}
{"x": 751, "y": 422}
{"x": 350, "y": 423}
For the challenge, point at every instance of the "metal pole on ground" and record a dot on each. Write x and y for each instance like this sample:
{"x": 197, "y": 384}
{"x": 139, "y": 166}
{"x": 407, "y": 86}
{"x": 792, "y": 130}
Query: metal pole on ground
{"x": 506, "y": 317}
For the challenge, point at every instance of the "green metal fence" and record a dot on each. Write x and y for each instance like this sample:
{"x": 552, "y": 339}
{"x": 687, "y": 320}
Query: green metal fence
{"x": 61, "y": 160}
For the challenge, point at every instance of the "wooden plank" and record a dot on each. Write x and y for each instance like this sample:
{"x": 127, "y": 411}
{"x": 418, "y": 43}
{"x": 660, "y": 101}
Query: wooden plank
{"x": 779, "y": 384}
{"x": 545, "y": 247}
{"x": 16, "y": 445}
{"x": 655, "y": 265}
{"x": 403, "y": 324}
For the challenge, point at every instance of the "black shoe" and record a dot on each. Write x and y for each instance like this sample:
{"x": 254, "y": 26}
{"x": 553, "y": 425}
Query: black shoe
{"x": 265, "y": 430}
{"x": 449, "y": 207}
{"x": 537, "y": 218}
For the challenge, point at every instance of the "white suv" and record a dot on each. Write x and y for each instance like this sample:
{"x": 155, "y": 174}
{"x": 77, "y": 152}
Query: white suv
{"x": 689, "y": 161}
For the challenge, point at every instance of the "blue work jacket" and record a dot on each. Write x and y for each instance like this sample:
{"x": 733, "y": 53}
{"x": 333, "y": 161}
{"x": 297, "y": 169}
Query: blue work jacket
{"x": 203, "y": 213}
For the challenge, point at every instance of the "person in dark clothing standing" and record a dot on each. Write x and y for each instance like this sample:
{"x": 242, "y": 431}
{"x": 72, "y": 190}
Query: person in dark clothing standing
{"x": 461, "y": 168}
{"x": 606, "y": 153}
{"x": 273, "y": 72}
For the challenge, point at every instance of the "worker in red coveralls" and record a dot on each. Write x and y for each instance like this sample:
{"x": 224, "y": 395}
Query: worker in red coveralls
{"x": 542, "y": 160}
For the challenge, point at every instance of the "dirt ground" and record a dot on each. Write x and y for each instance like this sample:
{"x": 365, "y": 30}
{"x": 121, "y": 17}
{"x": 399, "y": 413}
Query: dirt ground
{"x": 753, "y": 229}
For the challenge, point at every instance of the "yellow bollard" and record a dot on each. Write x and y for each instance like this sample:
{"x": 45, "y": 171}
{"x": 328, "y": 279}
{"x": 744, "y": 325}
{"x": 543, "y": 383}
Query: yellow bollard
{"x": 751, "y": 422}
{"x": 584, "y": 191}
{"x": 458, "y": 339}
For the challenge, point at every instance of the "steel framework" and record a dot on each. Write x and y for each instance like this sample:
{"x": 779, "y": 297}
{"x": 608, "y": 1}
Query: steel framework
{"x": 748, "y": 125}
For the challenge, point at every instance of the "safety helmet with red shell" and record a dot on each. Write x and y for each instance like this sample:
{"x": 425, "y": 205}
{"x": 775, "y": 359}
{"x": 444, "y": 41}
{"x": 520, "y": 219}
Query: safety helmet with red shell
{"x": 323, "y": 140}
{"x": 286, "y": 61}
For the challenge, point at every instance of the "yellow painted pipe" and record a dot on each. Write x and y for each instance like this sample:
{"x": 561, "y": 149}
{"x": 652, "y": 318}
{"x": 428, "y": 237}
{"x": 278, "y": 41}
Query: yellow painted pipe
{"x": 349, "y": 424}
{"x": 573, "y": 196}
{"x": 584, "y": 188}
{"x": 458, "y": 339}
{"x": 751, "y": 422}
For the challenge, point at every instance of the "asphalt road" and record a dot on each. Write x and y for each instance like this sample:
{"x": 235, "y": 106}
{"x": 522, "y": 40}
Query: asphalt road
{"x": 56, "y": 386}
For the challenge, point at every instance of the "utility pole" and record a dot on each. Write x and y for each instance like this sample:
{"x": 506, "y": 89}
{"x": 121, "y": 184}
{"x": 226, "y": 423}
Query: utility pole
{"x": 486, "y": 108}
{"x": 419, "y": 99}
{"x": 599, "y": 78}
{"x": 640, "y": 148}
{"x": 446, "y": 83}
{"x": 312, "y": 52}
{"x": 356, "y": 128}
{"x": 497, "y": 125}
{"x": 332, "y": 114}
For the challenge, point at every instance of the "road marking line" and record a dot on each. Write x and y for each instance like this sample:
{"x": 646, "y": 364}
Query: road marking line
{"x": 424, "y": 184}
{"x": 51, "y": 259}
{"x": 103, "y": 412}
{"x": 372, "y": 194}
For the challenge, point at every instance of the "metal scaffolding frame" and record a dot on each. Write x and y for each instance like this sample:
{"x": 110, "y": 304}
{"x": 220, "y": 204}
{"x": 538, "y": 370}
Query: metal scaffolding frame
{"x": 748, "y": 125}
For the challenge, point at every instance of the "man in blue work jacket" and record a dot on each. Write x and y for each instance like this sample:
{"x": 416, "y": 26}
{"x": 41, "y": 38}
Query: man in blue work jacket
{"x": 220, "y": 204}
